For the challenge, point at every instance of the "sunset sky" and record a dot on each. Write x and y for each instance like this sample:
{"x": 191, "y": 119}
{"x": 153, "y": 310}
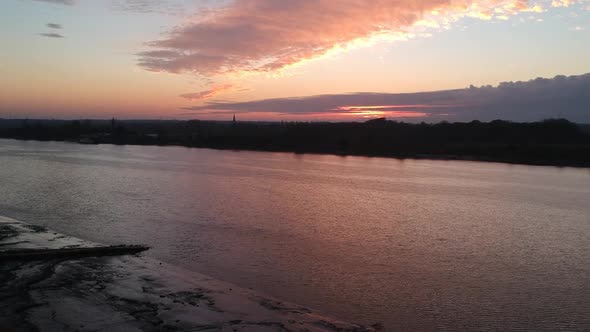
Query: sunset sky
{"x": 294, "y": 60}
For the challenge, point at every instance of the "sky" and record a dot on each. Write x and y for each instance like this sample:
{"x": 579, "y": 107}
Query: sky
{"x": 295, "y": 60}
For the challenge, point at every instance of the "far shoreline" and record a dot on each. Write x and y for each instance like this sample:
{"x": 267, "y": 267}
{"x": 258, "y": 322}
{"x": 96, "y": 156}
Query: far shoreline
{"x": 433, "y": 157}
{"x": 550, "y": 142}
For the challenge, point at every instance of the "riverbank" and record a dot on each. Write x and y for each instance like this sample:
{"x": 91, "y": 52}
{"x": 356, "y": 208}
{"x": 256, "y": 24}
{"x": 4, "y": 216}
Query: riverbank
{"x": 515, "y": 160}
{"x": 130, "y": 293}
{"x": 552, "y": 142}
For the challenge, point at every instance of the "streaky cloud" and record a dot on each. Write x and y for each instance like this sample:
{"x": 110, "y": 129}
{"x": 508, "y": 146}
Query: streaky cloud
{"x": 166, "y": 7}
{"x": 210, "y": 93}
{"x": 51, "y": 35}
{"x": 562, "y": 96}
{"x": 54, "y": 26}
{"x": 59, "y": 2}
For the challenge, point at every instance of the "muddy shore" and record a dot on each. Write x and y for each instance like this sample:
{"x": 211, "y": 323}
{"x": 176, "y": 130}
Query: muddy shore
{"x": 130, "y": 293}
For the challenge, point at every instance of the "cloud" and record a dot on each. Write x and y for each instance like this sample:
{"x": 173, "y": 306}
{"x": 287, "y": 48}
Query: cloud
{"x": 270, "y": 35}
{"x": 537, "y": 99}
{"x": 51, "y": 35}
{"x": 150, "y": 6}
{"x": 562, "y": 3}
{"x": 54, "y": 26}
{"x": 214, "y": 91}
{"x": 180, "y": 8}
{"x": 60, "y": 2}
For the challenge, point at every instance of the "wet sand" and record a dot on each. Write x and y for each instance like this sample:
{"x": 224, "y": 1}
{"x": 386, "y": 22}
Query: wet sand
{"x": 130, "y": 293}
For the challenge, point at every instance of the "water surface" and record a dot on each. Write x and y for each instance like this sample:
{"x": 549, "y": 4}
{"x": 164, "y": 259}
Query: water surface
{"x": 414, "y": 244}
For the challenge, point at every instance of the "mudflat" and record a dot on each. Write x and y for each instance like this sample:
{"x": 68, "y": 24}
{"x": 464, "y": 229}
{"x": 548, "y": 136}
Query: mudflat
{"x": 129, "y": 292}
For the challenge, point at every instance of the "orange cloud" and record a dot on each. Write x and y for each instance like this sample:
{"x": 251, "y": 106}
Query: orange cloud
{"x": 389, "y": 107}
{"x": 391, "y": 111}
{"x": 214, "y": 91}
{"x": 266, "y": 35}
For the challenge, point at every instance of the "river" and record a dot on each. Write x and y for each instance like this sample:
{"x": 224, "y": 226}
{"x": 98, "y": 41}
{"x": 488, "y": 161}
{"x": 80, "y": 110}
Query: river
{"x": 413, "y": 244}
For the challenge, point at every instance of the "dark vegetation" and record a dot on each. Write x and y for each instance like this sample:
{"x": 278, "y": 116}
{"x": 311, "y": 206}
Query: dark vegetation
{"x": 549, "y": 142}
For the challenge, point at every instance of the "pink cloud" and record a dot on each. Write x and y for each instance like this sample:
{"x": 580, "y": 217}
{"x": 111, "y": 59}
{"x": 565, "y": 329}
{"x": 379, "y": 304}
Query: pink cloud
{"x": 268, "y": 35}
{"x": 214, "y": 91}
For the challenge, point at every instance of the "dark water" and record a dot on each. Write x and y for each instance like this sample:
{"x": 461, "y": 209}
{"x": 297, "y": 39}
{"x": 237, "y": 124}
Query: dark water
{"x": 417, "y": 245}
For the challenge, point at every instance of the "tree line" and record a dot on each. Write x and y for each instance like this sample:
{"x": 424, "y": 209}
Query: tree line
{"x": 548, "y": 142}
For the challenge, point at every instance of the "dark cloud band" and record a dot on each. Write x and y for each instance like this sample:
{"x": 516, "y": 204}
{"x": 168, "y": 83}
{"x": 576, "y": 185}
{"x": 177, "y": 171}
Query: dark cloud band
{"x": 563, "y": 97}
